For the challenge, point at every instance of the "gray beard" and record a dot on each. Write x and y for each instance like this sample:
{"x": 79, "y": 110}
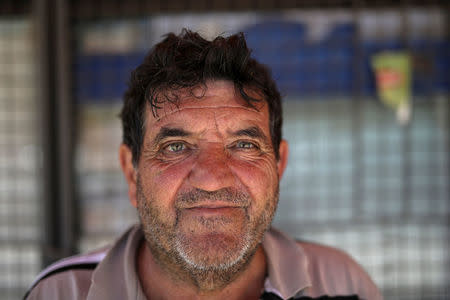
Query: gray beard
{"x": 174, "y": 253}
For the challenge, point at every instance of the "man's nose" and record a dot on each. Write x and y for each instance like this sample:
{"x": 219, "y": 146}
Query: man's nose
{"x": 211, "y": 171}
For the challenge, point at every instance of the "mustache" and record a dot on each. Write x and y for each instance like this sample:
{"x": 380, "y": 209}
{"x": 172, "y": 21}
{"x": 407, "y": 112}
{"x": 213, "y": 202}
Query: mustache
{"x": 226, "y": 195}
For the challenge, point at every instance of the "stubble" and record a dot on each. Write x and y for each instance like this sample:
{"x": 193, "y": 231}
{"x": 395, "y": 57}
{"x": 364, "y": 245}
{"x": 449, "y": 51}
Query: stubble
{"x": 214, "y": 258}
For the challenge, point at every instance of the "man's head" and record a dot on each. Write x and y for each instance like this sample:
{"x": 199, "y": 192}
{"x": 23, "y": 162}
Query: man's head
{"x": 188, "y": 61}
{"x": 203, "y": 155}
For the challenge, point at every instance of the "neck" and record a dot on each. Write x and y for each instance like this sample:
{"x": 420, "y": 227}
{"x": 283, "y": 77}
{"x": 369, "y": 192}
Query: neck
{"x": 160, "y": 282}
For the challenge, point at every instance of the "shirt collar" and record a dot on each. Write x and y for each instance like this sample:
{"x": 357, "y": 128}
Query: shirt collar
{"x": 116, "y": 275}
{"x": 287, "y": 265}
{"x": 286, "y": 262}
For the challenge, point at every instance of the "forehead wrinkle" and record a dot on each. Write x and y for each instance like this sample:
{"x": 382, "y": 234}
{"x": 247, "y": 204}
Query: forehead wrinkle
{"x": 217, "y": 126}
{"x": 204, "y": 107}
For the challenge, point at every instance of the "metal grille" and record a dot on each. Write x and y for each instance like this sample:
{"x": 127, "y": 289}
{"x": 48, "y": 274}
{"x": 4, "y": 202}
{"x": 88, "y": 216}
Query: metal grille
{"x": 19, "y": 192}
{"x": 347, "y": 187}
{"x": 356, "y": 178}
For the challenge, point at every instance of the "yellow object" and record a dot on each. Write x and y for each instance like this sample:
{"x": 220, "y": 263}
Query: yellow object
{"x": 393, "y": 80}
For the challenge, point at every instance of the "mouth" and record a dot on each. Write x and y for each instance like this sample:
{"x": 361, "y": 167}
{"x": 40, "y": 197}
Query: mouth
{"x": 213, "y": 209}
{"x": 212, "y": 205}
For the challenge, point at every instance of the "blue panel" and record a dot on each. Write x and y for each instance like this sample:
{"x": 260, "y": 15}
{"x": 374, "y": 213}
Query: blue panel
{"x": 299, "y": 66}
{"x": 103, "y": 78}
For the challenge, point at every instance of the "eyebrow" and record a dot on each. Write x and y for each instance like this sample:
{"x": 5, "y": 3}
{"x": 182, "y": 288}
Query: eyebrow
{"x": 253, "y": 132}
{"x": 166, "y": 132}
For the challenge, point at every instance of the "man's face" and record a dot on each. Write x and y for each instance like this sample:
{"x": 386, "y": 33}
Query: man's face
{"x": 207, "y": 180}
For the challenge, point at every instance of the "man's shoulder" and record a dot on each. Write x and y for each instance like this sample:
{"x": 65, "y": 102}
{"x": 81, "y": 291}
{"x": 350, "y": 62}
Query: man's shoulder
{"x": 317, "y": 255}
{"x": 332, "y": 269}
{"x": 323, "y": 255}
{"x": 68, "y": 278}
{"x": 68, "y": 284}
{"x": 312, "y": 269}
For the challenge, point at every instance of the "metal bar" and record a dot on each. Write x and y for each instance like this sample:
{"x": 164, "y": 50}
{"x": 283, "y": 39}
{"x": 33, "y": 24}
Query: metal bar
{"x": 57, "y": 127}
{"x": 48, "y": 136}
{"x": 65, "y": 121}
{"x": 406, "y": 130}
{"x": 87, "y": 9}
{"x": 357, "y": 118}
{"x": 447, "y": 148}
{"x": 337, "y": 225}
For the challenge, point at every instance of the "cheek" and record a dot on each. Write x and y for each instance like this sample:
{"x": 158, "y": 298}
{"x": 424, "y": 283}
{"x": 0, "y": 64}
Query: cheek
{"x": 164, "y": 180}
{"x": 259, "y": 177}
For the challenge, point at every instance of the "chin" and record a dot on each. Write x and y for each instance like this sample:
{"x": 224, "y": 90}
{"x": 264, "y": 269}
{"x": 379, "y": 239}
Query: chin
{"x": 213, "y": 251}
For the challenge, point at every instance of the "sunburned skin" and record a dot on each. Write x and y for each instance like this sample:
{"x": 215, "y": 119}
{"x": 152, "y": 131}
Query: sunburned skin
{"x": 206, "y": 189}
{"x": 209, "y": 98}
{"x": 176, "y": 109}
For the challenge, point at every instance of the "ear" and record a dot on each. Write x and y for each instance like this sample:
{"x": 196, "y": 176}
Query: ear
{"x": 282, "y": 161}
{"x": 126, "y": 162}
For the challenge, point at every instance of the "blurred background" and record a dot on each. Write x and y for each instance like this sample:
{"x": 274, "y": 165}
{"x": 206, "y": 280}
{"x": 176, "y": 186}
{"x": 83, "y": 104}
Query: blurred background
{"x": 360, "y": 177}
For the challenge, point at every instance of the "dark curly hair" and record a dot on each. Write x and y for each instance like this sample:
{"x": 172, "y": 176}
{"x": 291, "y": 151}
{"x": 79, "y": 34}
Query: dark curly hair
{"x": 187, "y": 61}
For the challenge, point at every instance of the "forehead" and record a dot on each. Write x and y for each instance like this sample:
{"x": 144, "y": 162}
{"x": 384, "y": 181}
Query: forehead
{"x": 217, "y": 99}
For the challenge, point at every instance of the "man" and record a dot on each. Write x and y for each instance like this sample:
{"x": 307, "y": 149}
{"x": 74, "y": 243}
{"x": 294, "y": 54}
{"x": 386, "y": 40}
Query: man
{"x": 202, "y": 155}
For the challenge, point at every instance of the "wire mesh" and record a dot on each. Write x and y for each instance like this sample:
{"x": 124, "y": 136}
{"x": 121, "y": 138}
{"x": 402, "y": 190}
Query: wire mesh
{"x": 19, "y": 200}
{"x": 356, "y": 178}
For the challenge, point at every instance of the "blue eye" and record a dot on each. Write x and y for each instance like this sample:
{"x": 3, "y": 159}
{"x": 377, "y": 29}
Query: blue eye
{"x": 245, "y": 145}
{"x": 176, "y": 147}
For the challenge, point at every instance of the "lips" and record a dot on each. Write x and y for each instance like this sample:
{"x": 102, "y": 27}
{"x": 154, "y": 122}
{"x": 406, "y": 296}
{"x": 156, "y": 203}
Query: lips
{"x": 212, "y": 205}
{"x": 212, "y": 210}
{"x": 224, "y": 198}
